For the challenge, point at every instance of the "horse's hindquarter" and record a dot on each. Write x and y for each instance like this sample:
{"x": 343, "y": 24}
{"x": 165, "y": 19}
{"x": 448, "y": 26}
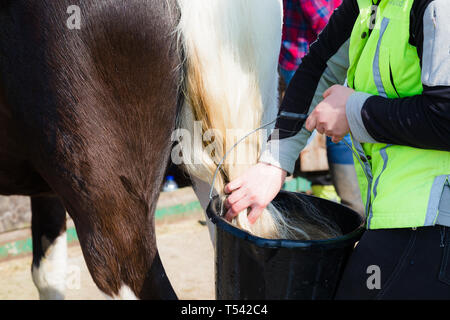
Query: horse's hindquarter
{"x": 96, "y": 107}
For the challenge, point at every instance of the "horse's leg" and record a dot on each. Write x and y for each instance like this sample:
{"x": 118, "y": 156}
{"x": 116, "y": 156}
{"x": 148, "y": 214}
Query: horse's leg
{"x": 49, "y": 246}
{"x": 138, "y": 261}
{"x": 115, "y": 226}
{"x": 121, "y": 253}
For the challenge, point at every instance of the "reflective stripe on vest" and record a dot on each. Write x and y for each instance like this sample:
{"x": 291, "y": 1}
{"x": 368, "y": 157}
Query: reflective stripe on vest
{"x": 376, "y": 61}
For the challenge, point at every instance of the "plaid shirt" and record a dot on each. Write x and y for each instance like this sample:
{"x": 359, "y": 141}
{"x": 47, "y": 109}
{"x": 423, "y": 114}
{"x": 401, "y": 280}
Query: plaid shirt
{"x": 303, "y": 21}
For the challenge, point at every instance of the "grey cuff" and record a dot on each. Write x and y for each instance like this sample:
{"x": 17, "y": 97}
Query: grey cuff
{"x": 353, "y": 110}
{"x": 436, "y": 36}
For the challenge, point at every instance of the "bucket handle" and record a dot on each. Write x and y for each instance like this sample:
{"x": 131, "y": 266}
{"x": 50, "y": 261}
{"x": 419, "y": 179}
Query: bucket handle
{"x": 287, "y": 115}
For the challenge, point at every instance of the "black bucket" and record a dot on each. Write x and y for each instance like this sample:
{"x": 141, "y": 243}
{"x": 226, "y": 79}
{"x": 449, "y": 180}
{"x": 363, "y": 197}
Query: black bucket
{"x": 253, "y": 268}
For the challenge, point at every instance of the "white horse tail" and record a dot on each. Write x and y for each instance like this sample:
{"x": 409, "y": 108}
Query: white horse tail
{"x": 231, "y": 87}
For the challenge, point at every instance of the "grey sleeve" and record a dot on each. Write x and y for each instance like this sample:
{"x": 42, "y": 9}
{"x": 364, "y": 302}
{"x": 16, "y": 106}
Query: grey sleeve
{"x": 353, "y": 111}
{"x": 436, "y": 46}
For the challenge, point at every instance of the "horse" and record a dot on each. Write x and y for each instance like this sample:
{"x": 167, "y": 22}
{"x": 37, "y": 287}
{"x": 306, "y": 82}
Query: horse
{"x": 87, "y": 116}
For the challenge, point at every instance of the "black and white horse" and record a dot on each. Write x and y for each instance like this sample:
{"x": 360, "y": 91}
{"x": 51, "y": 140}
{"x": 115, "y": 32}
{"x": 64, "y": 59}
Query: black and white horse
{"x": 86, "y": 118}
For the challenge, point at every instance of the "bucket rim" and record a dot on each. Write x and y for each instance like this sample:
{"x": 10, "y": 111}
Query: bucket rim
{"x": 341, "y": 241}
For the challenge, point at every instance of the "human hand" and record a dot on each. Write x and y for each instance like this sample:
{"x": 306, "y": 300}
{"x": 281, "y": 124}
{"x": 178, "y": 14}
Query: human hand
{"x": 255, "y": 189}
{"x": 329, "y": 117}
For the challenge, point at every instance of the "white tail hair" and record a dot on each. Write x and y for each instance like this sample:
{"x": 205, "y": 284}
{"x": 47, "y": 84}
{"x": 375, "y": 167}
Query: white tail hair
{"x": 231, "y": 49}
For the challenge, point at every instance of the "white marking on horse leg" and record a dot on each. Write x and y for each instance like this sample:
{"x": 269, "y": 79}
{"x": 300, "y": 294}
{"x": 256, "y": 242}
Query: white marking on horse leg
{"x": 125, "y": 293}
{"x": 50, "y": 276}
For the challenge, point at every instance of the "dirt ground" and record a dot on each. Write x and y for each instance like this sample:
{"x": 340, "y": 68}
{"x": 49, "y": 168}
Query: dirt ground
{"x": 185, "y": 249}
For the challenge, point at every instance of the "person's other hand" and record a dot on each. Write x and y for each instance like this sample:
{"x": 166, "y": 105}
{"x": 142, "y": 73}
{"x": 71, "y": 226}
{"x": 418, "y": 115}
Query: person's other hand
{"x": 255, "y": 189}
{"x": 329, "y": 117}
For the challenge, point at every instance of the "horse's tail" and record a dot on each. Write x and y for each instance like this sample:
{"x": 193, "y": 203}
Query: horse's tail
{"x": 231, "y": 87}
{"x": 231, "y": 49}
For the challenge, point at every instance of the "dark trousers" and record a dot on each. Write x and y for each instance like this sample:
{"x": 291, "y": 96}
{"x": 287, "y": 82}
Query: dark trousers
{"x": 399, "y": 264}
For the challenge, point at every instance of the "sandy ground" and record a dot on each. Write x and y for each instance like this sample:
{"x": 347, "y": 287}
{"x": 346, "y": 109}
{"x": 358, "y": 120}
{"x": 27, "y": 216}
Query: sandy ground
{"x": 185, "y": 249}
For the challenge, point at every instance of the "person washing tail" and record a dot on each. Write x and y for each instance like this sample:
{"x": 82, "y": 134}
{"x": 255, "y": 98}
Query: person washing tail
{"x": 395, "y": 55}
